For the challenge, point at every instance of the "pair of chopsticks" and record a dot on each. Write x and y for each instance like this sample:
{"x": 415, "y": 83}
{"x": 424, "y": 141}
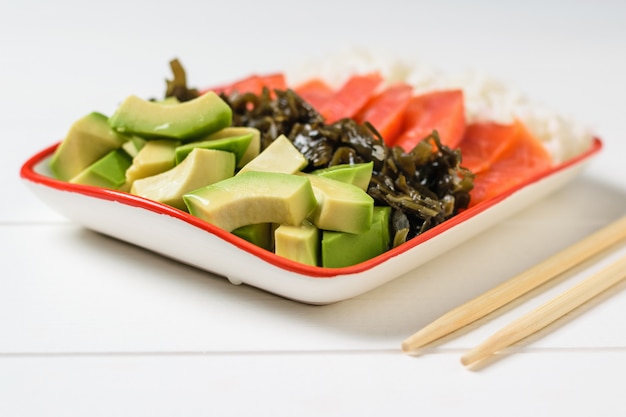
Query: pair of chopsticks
{"x": 523, "y": 283}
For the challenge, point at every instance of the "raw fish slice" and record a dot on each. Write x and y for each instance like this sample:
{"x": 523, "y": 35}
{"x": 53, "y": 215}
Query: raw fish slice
{"x": 351, "y": 97}
{"x": 443, "y": 111}
{"x": 484, "y": 142}
{"x": 523, "y": 158}
{"x": 315, "y": 92}
{"x": 252, "y": 84}
{"x": 386, "y": 111}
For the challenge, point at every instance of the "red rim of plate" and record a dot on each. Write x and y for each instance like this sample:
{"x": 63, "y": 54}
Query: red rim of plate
{"x": 29, "y": 173}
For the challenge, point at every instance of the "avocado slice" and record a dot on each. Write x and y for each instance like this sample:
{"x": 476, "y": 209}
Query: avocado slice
{"x": 253, "y": 197}
{"x": 237, "y": 145}
{"x": 202, "y": 167}
{"x": 356, "y": 174}
{"x": 345, "y": 249}
{"x": 298, "y": 243}
{"x": 341, "y": 206}
{"x": 259, "y": 234}
{"x": 195, "y": 118}
{"x": 88, "y": 140}
{"x": 155, "y": 156}
{"x": 279, "y": 156}
{"x": 254, "y": 148}
{"x": 107, "y": 172}
{"x": 134, "y": 145}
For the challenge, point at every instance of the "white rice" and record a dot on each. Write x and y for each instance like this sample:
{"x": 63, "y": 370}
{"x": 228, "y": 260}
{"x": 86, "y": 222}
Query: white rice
{"x": 486, "y": 99}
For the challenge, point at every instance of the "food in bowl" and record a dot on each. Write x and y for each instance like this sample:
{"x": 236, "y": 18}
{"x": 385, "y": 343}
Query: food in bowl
{"x": 366, "y": 165}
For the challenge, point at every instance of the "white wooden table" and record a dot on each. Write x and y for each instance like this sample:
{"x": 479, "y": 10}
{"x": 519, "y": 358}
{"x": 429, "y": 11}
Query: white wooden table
{"x": 93, "y": 326}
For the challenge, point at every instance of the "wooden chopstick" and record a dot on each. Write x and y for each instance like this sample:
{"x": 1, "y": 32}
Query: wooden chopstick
{"x": 518, "y": 285}
{"x": 548, "y": 312}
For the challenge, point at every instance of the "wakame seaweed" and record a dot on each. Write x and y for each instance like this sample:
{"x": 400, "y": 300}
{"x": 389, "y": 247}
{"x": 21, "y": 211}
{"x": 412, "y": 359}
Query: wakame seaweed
{"x": 178, "y": 86}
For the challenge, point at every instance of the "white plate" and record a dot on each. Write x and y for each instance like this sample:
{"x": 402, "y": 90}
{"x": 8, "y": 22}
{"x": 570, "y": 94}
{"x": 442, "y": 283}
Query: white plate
{"x": 178, "y": 235}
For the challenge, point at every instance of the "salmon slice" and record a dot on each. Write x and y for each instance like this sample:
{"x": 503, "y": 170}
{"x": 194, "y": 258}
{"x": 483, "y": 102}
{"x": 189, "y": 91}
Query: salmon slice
{"x": 315, "y": 92}
{"x": 443, "y": 111}
{"x": 253, "y": 84}
{"x": 483, "y": 143}
{"x": 386, "y": 111}
{"x": 523, "y": 158}
{"x": 351, "y": 97}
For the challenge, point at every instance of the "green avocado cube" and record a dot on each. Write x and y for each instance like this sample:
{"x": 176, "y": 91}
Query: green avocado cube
{"x": 355, "y": 174}
{"x": 202, "y": 167}
{"x": 298, "y": 243}
{"x": 236, "y": 144}
{"x": 107, "y": 172}
{"x": 155, "y": 157}
{"x": 339, "y": 249}
{"x": 134, "y": 145}
{"x": 279, "y": 156}
{"x": 253, "y": 197}
{"x": 191, "y": 119}
{"x": 254, "y": 148}
{"x": 259, "y": 234}
{"x": 89, "y": 139}
{"x": 341, "y": 207}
